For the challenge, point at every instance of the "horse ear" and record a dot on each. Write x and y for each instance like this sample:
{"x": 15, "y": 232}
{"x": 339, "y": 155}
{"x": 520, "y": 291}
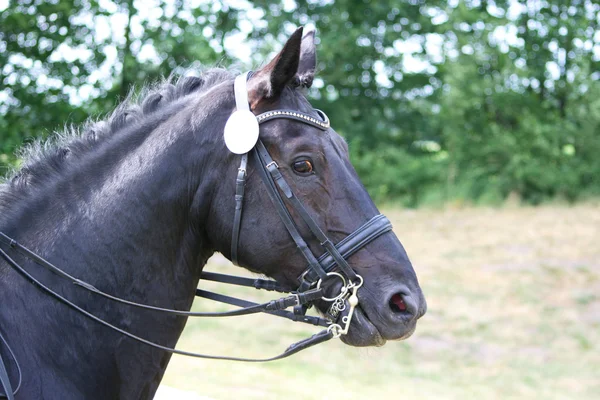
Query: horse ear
{"x": 269, "y": 81}
{"x": 308, "y": 60}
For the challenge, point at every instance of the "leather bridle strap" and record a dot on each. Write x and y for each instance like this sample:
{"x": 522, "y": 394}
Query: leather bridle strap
{"x": 352, "y": 243}
{"x": 258, "y": 283}
{"x": 273, "y": 305}
{"x": 287, "y": 219}
{"x": 294, "y": 348}
{"x": 240, "y": 183}
{"x": 375, "y": 227}
{"x": 371, "y": 230}
{"x": 5, "y": 381}
{"x": 4, "y": 378}
{"x": 273, "y": 169}
{"x": 323, "y": 124}
{"x": 247, "y": 304}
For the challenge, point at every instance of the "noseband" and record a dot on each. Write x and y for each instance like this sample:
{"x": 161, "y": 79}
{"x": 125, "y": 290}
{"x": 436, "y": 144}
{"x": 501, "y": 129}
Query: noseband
{"x": 330, "y": 265}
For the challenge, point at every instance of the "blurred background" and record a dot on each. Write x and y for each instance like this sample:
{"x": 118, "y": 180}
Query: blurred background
{"x": 476, "y": 124}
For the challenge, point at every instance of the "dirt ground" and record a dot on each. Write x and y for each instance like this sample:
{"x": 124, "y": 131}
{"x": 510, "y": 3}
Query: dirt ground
{"x": 514, "y": 313}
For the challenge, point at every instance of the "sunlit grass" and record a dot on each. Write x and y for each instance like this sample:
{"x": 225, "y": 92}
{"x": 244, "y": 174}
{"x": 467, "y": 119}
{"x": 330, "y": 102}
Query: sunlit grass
{"x": 514, "y": 312}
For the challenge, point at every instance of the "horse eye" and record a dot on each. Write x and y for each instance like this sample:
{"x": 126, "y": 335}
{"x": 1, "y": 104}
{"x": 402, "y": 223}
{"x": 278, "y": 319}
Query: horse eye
{"x": 303, "y": 167}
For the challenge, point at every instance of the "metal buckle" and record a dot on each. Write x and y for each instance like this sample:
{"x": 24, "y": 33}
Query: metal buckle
{"x": 297, "y": 299}
{"x": 272, "y": 163}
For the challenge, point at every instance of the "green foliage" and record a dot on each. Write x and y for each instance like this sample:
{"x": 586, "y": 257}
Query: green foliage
{"x": 439, "y": 100}
{"x": 55, "y": 68}
{"x": 418, "y": 175}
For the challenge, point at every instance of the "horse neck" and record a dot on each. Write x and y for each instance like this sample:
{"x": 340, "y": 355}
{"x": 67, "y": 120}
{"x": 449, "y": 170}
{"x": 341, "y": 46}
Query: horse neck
{"x": 124, "y": 214}
{"x": 128, "y": 220}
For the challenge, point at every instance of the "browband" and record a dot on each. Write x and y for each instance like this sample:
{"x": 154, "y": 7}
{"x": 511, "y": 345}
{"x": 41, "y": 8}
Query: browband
{"x": 322, "y": 124}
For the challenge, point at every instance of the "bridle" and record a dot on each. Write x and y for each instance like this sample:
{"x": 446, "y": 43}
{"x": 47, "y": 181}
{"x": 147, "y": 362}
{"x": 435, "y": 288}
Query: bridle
{"x": 276, "y": 185}
{"x": 310, "y": 290}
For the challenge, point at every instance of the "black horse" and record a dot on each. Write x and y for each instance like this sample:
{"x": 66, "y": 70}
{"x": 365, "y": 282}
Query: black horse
{"x": 136, "y": 205}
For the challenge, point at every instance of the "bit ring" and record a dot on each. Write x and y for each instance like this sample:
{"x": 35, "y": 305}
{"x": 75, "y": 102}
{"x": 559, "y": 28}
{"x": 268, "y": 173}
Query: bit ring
{"x": 342, "y": 292}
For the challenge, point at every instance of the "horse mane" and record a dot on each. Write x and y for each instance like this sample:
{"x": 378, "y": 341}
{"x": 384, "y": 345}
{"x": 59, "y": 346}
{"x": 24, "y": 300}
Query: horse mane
{"x": 43, "y": 159}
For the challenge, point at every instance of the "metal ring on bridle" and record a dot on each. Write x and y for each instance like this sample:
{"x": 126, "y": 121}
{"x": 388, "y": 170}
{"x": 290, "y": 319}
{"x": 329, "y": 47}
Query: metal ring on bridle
{"x": 359, "y": 284}
{"x": 335, "y": 329}
{"x": 343, "y": 291}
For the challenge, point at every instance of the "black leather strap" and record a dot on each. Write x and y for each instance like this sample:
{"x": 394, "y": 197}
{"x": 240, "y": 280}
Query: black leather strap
{"x": 371, "y": 230}
{"x": 4, "y": 378}
{"x": 264, "y": 284}
{"x": 278, "y": 304}
{"x": 303, "y": 344}
{"x": 273, "y": 169}
{"x": 375, "y": 227}
{"x": 246, "y": 304}
{"x": 285, "y": 216}
{"x": 240, "y": 183}
{"x": 288, "y": 301}
{"x": 5, "y": 382}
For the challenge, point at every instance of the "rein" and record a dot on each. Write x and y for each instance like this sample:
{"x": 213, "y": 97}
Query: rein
{"x": 320, "y": 269}
{"x": 4, "y": 379}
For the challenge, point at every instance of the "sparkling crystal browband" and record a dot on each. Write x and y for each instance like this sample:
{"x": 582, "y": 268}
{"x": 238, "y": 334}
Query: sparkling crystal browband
{"x": 323, "y": 125}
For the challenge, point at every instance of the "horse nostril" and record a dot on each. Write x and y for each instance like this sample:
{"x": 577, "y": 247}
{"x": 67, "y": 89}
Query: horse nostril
{"x": 397, "y": 304}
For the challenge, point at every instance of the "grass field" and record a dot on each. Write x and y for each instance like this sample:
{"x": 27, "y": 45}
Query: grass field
{"x": 514, "y": 313}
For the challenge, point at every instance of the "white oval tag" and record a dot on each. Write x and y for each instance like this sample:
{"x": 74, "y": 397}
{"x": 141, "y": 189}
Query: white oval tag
{"x": 241, "y": 132}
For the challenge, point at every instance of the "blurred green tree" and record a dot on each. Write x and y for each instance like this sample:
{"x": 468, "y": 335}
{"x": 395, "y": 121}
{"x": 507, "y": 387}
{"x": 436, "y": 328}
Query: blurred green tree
{"x": 64, "y": 60}
{"x": 440, "y": 100}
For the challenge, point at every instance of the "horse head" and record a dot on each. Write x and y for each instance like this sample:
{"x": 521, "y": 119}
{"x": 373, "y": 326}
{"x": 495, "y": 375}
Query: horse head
{"x": 313, "y": 161}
